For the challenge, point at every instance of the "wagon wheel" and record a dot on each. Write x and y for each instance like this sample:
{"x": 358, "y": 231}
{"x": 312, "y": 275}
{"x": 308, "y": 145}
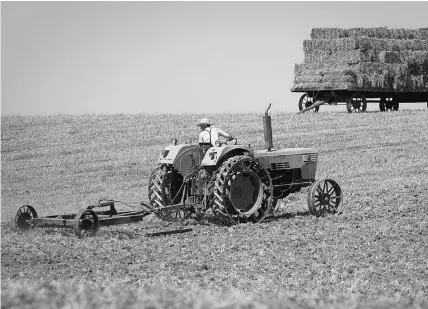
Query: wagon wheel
{"x": 324, "y": 196}
{"x": 395, "y": 104}
{"x": 382, "y": 104}
{"x": 357, "y": 103}
{"x": 24, "y": 213}
{"x": 86, "y": 223}
{"x": 305, "y": 102}
{"x": 388, "y": 104}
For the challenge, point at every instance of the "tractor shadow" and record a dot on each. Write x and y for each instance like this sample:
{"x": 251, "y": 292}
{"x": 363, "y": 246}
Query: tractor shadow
{"x": 209, "y": 219}
{"x": 287, "y": 215}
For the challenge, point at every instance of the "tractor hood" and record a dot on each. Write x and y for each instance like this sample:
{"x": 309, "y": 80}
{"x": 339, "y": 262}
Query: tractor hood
{"x": 284, "y": 152}
{"x": 287, "y": 158}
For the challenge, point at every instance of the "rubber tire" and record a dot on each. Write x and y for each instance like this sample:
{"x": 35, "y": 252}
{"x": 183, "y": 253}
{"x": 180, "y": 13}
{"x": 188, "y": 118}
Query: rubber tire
{"x": 221, "y": 185}
{"x": 159, "y": 198}
{"x": 151, "y": 188}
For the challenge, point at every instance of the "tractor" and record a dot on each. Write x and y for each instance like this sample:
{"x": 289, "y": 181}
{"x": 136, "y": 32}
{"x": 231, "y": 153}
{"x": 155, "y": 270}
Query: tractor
{"x": 237, "y": 183}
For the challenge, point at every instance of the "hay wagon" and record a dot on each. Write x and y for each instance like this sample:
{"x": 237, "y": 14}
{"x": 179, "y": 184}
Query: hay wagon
{"x": 357, "y": 66}
{"x": 356, "y": 99}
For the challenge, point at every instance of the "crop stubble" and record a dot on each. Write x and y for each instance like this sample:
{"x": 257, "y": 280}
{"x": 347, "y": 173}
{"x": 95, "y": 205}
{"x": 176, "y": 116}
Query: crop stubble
{"x": 376, "y": 246}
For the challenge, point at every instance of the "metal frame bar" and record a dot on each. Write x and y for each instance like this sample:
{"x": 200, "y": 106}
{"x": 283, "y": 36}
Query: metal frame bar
{"x": 106, "y": 218}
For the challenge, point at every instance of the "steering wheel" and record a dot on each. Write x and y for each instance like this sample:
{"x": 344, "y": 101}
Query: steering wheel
{"x": 236, "y": 141}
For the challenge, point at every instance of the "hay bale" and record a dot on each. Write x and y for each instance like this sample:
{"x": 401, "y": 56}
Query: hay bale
{"x": 379, "y": 32}
{"x": 366, "y": 58}
{"x": 363, "y": 43}
{"x": 321, "y": 86}
{"x": 346, "y": 56}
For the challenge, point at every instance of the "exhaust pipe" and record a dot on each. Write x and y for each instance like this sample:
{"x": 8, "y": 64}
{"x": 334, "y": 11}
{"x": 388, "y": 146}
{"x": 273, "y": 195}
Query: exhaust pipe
{"x": 267, "y": 127}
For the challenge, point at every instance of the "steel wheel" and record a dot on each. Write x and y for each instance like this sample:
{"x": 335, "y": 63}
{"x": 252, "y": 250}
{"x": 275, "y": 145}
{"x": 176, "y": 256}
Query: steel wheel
{"x": 242, "y": 191}
{"x": 324, "y": 196}
{"x": 24, "y": 213}
{"x": 166, "y": 189}
{"x": 86, "y": 223}
{"x": 357, "y": 103}
{"x": 395, "y": 104}
{"x": 382, "y": 104}
{"x": 305, "y": 102}
{"x": 388, "y": 104}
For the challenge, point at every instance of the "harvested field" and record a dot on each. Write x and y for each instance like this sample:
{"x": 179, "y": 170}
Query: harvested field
{"x": 372, "y": 254}
{"x": 364, "y": 58}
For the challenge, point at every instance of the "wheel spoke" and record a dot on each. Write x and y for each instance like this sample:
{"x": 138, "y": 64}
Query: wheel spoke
{"x": 324, "y": 190}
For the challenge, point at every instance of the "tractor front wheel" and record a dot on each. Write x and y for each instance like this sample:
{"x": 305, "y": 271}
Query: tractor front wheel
{"x": 242, "y": 191}
{"x": 324, "y": 196}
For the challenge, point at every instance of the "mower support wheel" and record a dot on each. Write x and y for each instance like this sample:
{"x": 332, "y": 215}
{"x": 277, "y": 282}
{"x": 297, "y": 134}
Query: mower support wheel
{"x": 24, "y": 213}
{"x": 324, "y": 196}
{"x": 86, "y": 223}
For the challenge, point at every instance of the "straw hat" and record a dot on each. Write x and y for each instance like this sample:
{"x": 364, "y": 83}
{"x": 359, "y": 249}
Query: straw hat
{"x": 204, "y": 122}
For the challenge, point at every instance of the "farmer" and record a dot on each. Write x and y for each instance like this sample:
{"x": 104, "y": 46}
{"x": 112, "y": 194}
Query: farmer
{"x": 209, "y": 135}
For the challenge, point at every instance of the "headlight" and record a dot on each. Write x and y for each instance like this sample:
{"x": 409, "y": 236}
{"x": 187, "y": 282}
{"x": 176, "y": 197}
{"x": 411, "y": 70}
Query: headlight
{"x": 212, "y": 155}
{"x": 218, "y": 143}
{"x": 174, "y": 141}
{"x": 165, "y": 153}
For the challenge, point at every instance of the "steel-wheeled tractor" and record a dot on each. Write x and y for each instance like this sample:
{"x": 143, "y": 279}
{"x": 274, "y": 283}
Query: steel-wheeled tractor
{"x": 239, "y": 184}
{"x": 236, "y": 183}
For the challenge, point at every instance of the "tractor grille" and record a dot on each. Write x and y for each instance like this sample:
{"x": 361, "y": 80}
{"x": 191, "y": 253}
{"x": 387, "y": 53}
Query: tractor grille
{"x": 310, "y": 158}
{"x": 280, "y": 166}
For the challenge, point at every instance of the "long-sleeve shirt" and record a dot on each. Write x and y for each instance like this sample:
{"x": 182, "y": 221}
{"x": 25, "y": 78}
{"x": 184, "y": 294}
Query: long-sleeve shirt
{"x": 210, "y": 135}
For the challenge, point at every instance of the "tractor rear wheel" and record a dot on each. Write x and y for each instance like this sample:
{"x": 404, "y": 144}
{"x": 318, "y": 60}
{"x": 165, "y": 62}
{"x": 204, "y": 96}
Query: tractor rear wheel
{"x": 242, "y": 191}
{"x": 152, "y": 186}
{"x": 324, "y": 196}
{"x": 166, "y": 189}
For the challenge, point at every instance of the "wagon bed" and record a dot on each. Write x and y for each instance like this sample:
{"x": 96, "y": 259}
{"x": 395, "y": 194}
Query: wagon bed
{"x": 356, "y": 99}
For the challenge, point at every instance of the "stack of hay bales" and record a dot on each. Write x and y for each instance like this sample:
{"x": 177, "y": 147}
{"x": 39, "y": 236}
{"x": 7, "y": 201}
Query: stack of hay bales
{"x": 364, "y": 58}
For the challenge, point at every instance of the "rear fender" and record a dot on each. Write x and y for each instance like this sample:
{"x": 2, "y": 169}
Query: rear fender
{"x": 184, "y": 157}
{"x": 215, "y": 155}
